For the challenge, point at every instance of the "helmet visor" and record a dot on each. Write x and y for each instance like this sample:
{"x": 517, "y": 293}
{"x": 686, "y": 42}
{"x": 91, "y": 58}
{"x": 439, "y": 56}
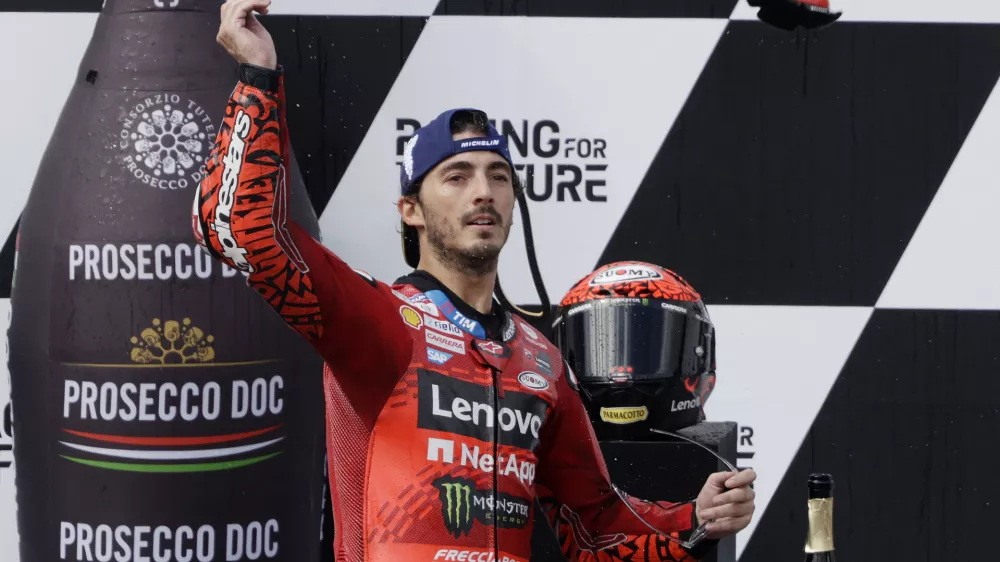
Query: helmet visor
{"x": 622, "y": 339}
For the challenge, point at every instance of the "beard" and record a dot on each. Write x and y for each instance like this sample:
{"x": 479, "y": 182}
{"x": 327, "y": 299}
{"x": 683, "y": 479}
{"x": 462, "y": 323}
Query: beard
{"x": 479, "y": 259}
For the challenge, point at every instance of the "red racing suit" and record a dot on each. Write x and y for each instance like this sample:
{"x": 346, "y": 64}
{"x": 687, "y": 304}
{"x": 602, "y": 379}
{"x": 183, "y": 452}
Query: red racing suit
{"x": 443, "y": 424}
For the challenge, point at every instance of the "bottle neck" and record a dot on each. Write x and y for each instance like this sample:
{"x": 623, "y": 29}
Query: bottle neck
{"x": 131, "y": 6}
{"x": 820, "y": 537}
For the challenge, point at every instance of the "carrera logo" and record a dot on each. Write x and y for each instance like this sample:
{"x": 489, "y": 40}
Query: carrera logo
{"x": 625, "y": 415}
{"x": 532, "y": 381}
{"x": 443, "y": 326}
{"x": 465, "y": 408}
{"x": 625, "y": 273}
{"x": 451, "y": 344}
{"x": 411, "y": 317}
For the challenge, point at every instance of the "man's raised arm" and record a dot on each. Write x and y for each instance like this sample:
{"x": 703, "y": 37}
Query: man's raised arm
{"x": 241, "y": 216}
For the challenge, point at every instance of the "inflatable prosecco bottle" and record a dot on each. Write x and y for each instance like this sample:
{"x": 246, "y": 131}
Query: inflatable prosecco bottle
{"x": 162, "y": 410}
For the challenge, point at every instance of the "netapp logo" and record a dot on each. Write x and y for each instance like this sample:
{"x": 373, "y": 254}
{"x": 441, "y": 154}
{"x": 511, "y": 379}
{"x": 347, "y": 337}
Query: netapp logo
{"x": 464, "y": 408}
{"x": 554, "y": 166}
{"x": 443, "y": 450}
{"x": 142, "y": 262}
{"x": 233, "y": 161}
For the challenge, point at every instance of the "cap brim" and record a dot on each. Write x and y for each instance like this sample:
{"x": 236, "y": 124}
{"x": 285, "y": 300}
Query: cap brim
{"x": 411, "y": 245}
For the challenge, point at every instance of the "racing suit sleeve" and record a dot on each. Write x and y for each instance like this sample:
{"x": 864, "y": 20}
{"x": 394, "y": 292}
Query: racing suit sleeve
{"x": 241, "y": 217}
{"x": 591, "y": 520}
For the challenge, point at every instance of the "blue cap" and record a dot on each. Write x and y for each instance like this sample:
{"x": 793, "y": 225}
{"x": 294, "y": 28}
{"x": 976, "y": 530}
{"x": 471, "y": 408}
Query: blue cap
{"x": 433, "y": 143}
{"x": 428, "y": 147}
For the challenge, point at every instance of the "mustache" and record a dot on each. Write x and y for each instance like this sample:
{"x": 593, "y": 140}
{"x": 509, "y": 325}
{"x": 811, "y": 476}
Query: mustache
{"x": 487, "y": 210}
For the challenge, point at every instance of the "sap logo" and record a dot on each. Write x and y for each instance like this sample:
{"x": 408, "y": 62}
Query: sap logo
{"x": 681, "y": 405}
{"x": 437, "y": 357}
{"x": 625, "y": 273}
{"x": 443, "y": 326}
{"x": 532, "y": 381}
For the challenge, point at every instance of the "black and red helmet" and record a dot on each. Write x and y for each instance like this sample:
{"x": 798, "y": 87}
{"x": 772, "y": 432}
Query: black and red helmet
{"x": 641, "y": 345}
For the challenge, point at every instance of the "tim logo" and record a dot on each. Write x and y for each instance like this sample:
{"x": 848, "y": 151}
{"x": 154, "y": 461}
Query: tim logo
{"x": 462, "y": 504}
{"x": 555, "y": 165}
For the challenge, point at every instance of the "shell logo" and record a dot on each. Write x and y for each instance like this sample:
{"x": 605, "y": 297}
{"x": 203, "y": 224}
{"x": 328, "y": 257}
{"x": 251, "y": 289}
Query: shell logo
{"x": 411, "y": 317}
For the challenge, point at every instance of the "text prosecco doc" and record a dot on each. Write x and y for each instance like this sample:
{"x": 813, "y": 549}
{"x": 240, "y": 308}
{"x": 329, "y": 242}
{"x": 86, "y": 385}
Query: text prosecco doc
{"x": 169, "y": 401}
{"x": 143, "y": 543}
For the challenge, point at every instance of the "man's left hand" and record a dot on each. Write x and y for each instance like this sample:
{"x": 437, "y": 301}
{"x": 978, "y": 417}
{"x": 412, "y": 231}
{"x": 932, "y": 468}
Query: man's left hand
{"x": 726, "y": 502}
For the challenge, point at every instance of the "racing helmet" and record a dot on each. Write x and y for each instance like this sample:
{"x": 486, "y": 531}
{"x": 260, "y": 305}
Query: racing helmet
{"x": 640, "y": 348}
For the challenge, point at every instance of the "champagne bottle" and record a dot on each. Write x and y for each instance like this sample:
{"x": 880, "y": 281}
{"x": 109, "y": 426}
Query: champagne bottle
{"x": 819, "y": 541}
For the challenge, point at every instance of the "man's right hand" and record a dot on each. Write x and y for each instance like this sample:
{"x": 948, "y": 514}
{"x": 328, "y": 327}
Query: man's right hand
{"x": 243, "y": 37}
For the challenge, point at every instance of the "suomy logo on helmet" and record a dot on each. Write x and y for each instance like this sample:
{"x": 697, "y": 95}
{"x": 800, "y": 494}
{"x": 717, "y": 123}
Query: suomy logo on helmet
{"x": 625, "y": 273}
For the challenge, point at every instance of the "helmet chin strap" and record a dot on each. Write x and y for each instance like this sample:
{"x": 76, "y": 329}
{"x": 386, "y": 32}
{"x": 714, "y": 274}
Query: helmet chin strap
{"x": 536, "y": 275}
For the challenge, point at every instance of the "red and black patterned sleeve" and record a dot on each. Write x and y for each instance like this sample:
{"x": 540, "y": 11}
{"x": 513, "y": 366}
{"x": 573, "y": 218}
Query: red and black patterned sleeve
{"x": 592, "y": 521}
{"x": 241, "y": 217}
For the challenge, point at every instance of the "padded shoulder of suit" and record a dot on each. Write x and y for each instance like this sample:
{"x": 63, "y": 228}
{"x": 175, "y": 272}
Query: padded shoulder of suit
{"x": 364, "y": 275}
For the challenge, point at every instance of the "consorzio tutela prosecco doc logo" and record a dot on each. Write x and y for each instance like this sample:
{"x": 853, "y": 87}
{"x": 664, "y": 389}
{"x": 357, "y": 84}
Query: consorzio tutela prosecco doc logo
{"x": 198, "y": 401}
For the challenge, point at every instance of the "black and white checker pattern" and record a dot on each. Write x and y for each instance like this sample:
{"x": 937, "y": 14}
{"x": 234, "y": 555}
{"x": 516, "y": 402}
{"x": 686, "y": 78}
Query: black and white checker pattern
{"x": 832, "y": 194}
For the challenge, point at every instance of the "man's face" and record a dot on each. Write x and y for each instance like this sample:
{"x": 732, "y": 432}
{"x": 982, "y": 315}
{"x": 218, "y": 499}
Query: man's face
{"x": 467, "y": 208}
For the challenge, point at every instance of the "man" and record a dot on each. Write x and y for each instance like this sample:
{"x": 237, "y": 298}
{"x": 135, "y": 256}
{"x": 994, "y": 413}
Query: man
{"x": 442, "y": 425}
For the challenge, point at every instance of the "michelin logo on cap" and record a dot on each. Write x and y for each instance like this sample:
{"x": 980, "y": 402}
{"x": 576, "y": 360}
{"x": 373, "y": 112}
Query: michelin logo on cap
{"x": 468, "y": 143}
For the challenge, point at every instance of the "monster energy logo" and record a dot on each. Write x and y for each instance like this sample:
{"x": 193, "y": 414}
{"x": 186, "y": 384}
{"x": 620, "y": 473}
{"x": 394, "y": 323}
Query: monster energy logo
{"x": 462, "y": 504}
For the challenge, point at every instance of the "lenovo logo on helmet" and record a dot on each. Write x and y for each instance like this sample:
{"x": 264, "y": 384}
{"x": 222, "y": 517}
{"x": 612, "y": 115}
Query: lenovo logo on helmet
{"x": 625, "y": 273}
{"x": 681, "y": 405}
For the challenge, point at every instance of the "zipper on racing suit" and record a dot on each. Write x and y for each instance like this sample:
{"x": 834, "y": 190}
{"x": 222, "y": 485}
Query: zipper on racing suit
{"x": 496, "y": 460}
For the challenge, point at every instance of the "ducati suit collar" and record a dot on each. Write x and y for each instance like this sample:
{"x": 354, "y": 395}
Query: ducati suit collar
{"x": 493, "y": 322}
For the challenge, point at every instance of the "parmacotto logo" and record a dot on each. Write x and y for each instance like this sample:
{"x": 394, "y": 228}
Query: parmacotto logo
{"x": 625, "y": 415}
